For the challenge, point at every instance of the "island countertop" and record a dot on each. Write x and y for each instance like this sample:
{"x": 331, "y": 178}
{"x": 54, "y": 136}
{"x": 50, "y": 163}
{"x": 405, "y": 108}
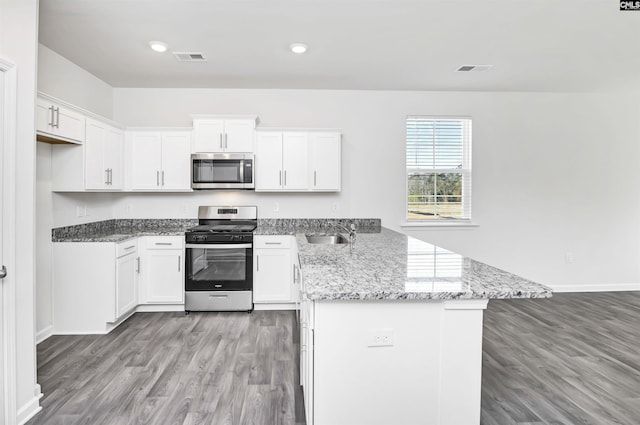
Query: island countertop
{"x": 392, "y": 266}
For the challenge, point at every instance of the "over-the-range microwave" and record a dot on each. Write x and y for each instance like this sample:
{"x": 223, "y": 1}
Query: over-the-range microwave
{"x": 222, "y": 171}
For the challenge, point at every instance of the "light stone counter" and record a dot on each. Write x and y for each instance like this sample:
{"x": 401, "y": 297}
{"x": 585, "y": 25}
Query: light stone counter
{"x": 390, "y": 265}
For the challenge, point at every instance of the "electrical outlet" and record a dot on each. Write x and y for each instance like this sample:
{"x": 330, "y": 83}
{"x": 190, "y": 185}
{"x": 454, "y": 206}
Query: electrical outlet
{"x": 380, "y": 337}
{"x": 128, "y": 208}
{"x": 79, "y": 211}
{"x": 335, "y": 207}
{"x": 568, "y": 257}
{"x": 276, "y": 207}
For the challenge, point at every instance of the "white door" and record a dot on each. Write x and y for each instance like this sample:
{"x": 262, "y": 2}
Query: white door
{"x": 8, "y": 82}
{"x": 238, "y": 135}
{"x": 163, "y": 276}
{"x": 295, "y": 161}
{"x": 96, "y": 175}
{"x": 3, "y": 418}
{"x": 324, "y": 161}
{"x": 268, "y": 167}
{"x": 114, "y": 157}
{"x": 146, "y": 160}
{"x": 272, "y": 276}
{"x": 175, "y": 174}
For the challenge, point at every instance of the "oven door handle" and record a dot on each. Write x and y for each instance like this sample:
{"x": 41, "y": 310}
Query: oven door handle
{"x": 218, "y": 246}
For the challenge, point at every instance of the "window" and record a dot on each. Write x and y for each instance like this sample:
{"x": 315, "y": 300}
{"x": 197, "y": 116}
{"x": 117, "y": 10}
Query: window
{"x": 438, "y": 168}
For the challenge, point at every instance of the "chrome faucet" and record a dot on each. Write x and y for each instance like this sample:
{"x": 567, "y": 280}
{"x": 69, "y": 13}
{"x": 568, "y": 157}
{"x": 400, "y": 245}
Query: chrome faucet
{"x": 351, "y": 230}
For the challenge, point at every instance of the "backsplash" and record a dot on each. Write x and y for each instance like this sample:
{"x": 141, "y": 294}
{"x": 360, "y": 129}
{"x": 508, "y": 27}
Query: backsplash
{"x": 295, "y": 225}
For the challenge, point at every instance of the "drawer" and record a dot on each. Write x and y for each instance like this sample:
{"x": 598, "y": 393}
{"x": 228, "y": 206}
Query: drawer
{"x": 262, "y": 241}
{"x": 165, "y": 242}
{"x": 126, "y": 247}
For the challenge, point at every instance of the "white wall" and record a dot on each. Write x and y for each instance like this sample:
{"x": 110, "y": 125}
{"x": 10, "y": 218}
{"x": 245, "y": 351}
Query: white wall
{"x": 65, "y": 80}
{"x": 553, "y": 173}
{"x": 61, "y": 78}
{"x": 18, "y": 41}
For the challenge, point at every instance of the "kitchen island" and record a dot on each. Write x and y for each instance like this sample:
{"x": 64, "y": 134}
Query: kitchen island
{"x": 391, "y": 333}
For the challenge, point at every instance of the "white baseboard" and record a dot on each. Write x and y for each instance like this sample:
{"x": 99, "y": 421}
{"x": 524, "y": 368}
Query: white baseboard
{"x": 593, "y": 287}
{"x": 29, "y": 410}
{"x": 44, "y": 334}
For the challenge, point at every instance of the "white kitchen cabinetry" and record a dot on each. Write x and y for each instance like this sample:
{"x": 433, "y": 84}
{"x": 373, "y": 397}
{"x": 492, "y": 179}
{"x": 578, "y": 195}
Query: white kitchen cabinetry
{"x": 127, "y": 271}
{"x": 162, "y": 265}
{"x": 94, "y": 285}
{"x": 306, "y": 356}
{"x": 223, "y": 134}
{"x": 324, "y": 161}
{"x": 159, "y": 160}
{"x": 297, "y": 161}
{"x": 103, "y": 156}
{"x": 56, "y": 123}
{"x": 274, "y": 271}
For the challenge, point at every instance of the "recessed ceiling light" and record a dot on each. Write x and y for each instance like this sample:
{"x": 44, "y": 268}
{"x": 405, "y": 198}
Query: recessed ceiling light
{"x": 298, "y": 48}
{"x": 158, "y": 46}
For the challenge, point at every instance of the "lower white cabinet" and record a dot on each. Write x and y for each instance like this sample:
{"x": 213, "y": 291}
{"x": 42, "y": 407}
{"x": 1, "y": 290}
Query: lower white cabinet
{"x": 94, "y": 285}
{"x": 127, "y": 270}
{"x": 273, "y": 270}
{"x": 162, "y": 270}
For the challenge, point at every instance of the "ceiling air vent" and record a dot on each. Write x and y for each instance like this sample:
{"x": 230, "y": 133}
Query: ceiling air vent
{"x": 474, "y": 68}
{"x": 189, "y": 56}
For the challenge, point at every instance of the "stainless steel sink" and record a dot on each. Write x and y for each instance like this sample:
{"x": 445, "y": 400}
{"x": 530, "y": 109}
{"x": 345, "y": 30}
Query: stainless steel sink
{"x": 327, "y": 239}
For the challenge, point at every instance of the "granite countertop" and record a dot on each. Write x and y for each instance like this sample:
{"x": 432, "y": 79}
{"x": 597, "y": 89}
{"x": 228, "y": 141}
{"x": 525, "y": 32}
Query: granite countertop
{"x": 390, "y": 265}
{"x": 121, "y": 230}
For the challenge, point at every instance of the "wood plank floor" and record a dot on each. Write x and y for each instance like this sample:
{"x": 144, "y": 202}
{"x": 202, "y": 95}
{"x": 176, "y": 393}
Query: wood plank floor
{"x": 168, "y": 368}
{"x": 573, "y": 359}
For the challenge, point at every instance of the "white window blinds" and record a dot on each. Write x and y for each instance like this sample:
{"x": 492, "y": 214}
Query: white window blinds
{"x": 438, "y": 168}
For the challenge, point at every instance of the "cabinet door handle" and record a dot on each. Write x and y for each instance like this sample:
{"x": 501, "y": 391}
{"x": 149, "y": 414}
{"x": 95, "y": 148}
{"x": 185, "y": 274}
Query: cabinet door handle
{"x": 106, "y": 176}
{"x": 273, "y": 243}
{"x": 285, "y": 178}
{"x": 257, "y": 263}
{"x": 225, "y": 141}
{"x": 179, "y": 261}
{"x": 129, "y": 247}
{"x": 315, "y": 178}
{"x": 57, "y": 117}
{"x": 52, "y": 109}
{"x": 157, "y": 178}
{"x": 220, "y": 140}
{"x": 138, "y": 265}
{"x": 110, "y": 175}
{"x": 163, "y": 243}
{"x": 280, "y": 178}
{"x": 162, "y": 177}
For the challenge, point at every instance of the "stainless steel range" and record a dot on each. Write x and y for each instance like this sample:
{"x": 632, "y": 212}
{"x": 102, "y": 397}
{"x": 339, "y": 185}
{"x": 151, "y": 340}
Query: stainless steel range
{"x": 219, "y": 259}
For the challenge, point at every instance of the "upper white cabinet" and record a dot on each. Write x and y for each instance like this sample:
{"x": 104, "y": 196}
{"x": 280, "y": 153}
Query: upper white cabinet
{"x": 324, "y": 161}
{"x": 104, "y": 156}
{"x": 297, "y": 161}
{"x": 57, "y": 123}
{"x": 213, "y": 134}
{"x": 159, "y": 160}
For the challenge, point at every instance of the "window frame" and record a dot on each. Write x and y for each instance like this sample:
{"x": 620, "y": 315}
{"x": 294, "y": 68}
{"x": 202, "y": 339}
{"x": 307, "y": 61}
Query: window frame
{"x": 465, "y": 172}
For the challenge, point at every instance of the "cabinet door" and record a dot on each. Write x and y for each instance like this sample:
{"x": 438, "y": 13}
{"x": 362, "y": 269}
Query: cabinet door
{"x": 164, "y": 276}
{"x": 272, "y": 276}
{"x": 146, "y": 160}
{"x": 324, "y": 161}
{"x": 238, "y": 135}
{"x": 294, "y": 161}
{"x": 114, "y": 157}
{"x": 70, "y": 124}
{"x": 268, "y": 158}
{"x": 176, "y": 161}
{"x": 126, "y": 284}
{"x": 44, "y": 116}
{"x": 208, "y": 135}
{"x": 96, "y": 175}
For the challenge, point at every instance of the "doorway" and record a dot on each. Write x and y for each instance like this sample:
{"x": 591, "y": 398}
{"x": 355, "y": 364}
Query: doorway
{"x": 8, "y": 85}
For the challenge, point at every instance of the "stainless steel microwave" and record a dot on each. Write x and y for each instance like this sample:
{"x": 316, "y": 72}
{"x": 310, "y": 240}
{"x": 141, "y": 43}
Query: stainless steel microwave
{"x": 222, "y": 171}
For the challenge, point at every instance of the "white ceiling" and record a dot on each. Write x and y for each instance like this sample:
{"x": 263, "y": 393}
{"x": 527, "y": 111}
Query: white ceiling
{"x": 534, "y": 45}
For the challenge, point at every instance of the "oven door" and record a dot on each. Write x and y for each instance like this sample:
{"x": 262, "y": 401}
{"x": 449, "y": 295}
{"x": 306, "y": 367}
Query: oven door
{"x": 219, "y": 267}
